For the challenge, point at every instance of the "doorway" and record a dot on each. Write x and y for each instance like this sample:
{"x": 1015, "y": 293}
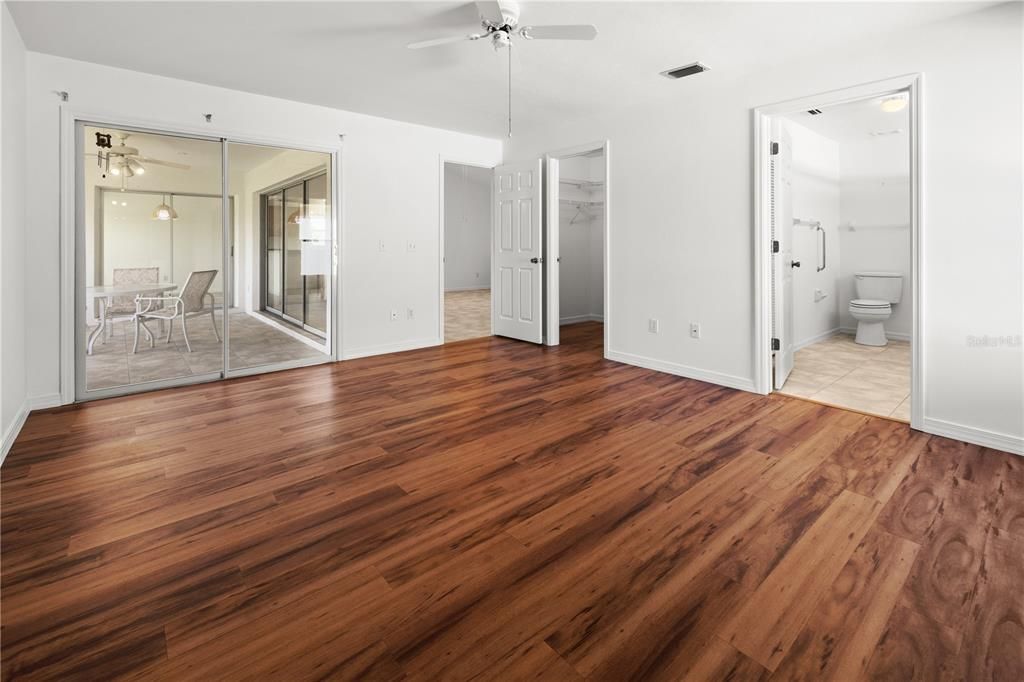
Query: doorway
{"x": 577, "y": 241}
{"x": 466, "y": 261}
{"x": 164, "y": 227}
{"x": 839, "y": 217}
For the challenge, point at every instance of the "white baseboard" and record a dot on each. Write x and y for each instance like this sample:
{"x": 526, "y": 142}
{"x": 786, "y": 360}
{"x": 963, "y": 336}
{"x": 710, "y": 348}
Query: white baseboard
{"x": 383, "y": 349}
{"x": 815, "y": 339}
{"x": 573, "y": 319}
{"x": 892, "y": 336}
{"x": 43, "y": 402}
{"x": 473, "y": 288}
{"x": 12, "y": 431}
{"x": 728, "y": 380}
{"x": 969, "y": 434}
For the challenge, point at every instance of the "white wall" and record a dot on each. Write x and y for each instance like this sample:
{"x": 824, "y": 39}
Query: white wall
{"x": 389, "y": 183}
{"x": 875, "y": 201}
{"x": 682, "y": 212}
{"x": 13, "y": 268}
{"x": 815, "y": 196}
{"x": 467, "y": 218}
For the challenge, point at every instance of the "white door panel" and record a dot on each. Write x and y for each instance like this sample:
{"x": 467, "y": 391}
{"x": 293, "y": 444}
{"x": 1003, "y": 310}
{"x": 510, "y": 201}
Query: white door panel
{"x": 782, "y": 263}
{"x": 518, "y": 253}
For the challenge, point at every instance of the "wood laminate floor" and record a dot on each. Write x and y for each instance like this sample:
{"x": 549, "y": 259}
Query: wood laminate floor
{"x": 495, "y": 510}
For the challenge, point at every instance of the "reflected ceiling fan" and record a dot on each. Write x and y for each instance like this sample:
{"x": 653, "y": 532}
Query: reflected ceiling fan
{"x": 500, "y": 22}
{"x": 124, "y": 161}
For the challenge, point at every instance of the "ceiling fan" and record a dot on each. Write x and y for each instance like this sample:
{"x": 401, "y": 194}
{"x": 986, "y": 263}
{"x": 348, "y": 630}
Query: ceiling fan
{"x": 124, "y": 161}
{"x": 500, "y": 22}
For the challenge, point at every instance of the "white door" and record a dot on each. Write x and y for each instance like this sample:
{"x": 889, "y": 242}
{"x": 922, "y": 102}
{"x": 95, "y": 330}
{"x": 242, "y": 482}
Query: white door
{"x": 782, "y": 247}
{"x": 517, "y": 282}
{"x": 551, "y": 263}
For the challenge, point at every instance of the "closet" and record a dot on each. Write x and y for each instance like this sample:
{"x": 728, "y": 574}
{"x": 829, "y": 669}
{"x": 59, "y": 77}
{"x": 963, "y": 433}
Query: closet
{"x": 581, "y": 239}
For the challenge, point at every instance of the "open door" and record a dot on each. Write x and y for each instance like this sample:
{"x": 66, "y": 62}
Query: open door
{"x": 518, "y": 282}
{"x": 553, "y": 314}
{"x": 782, "y": 250}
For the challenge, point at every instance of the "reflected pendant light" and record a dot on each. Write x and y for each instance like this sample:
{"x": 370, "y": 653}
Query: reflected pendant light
{"x": 164, "y": 212}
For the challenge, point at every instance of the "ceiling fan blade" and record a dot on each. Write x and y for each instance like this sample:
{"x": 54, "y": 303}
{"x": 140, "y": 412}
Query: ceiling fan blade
{"x": 570, "y": 32}
{"x": 490, "y": 11}
{"x": 442, "y": 41}
{"x": 158, "y": 162}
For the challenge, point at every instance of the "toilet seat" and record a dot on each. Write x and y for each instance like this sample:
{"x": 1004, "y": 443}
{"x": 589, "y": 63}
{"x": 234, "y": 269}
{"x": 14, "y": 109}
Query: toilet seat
{"x": 870, "y": 304}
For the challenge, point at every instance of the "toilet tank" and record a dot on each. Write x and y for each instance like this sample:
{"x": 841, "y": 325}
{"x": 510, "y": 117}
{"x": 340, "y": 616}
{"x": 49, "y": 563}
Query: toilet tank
{"x": 879, "y": 286}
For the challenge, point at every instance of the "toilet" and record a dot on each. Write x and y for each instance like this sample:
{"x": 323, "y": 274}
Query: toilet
{"x": 876, "y": 293}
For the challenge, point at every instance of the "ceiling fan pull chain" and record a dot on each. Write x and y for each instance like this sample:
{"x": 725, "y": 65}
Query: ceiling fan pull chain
{"x": 510, "y": 89}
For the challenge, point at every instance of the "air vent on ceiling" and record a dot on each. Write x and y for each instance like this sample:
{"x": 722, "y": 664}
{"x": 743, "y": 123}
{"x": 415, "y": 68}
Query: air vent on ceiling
{"x": 684, "y": 71}
{"x": 814, "y": 112}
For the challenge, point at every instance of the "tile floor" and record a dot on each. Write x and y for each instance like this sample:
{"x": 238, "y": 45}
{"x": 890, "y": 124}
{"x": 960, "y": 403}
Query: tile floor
{"x": 467, "y": 314}
{"x": 869, "y": 379}
{"x": 253, "y": 343}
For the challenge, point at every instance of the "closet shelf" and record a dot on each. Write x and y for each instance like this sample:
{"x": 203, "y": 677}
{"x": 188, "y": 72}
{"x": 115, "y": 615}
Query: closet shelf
{"x": 576, "y": 202}
{"x": 582, "y": 184}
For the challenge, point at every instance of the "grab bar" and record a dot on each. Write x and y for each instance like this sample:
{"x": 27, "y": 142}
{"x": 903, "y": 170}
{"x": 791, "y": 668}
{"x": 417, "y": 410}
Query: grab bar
{"x": 824, "y": 259}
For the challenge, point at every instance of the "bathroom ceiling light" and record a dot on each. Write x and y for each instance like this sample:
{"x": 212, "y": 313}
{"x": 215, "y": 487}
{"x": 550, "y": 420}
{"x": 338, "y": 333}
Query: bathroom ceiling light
{"x": 895, "y": 103}
{"x": 164, "y": 212}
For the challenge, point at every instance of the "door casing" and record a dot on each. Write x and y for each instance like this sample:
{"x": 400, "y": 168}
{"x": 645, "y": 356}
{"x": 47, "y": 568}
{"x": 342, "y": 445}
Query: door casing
{"x": 912, "y": 84}
{"x": 552, "y": 233}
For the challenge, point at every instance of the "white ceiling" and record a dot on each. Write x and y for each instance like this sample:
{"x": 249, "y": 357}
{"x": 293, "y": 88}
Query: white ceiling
{"x": 854, "y": 121}
{"x": 352, "y": 55}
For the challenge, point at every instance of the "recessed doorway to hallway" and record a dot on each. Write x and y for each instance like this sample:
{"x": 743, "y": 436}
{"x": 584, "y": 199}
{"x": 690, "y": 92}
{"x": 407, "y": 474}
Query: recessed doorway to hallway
{"x": 467, "y": 251}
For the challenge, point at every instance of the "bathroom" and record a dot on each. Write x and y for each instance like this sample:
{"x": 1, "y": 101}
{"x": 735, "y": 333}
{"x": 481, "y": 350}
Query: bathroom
{"x": 849, "y": 190}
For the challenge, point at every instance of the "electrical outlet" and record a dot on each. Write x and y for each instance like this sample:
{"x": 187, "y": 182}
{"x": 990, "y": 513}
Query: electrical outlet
{"x": 410, "y": 245}
{"x": 394, "y": 316}
{"x": 694, "y": 330}
{"x": 653, "y": 326}
{"x": 380, "y": 246}
{"x": 409, "y": 315}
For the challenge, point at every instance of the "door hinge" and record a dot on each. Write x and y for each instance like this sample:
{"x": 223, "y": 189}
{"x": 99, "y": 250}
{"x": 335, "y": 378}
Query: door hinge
{"x": 776, "y": 345}
{"x": 775, "y": 246}
{"x": 774, "y": 148}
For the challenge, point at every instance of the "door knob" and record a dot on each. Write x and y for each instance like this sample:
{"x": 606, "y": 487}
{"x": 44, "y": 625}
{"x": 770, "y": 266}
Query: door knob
{"x": 536, "y": 260}
{"x": 794, "y": 264}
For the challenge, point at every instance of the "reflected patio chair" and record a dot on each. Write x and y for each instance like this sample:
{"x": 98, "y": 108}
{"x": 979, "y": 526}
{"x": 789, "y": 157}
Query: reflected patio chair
{"x": 190, "y": 302}
{"x": 122, "y": 308}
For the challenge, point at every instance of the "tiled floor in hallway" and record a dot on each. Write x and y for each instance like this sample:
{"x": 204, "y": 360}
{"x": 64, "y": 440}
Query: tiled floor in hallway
{"x": 467, "y": 314}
